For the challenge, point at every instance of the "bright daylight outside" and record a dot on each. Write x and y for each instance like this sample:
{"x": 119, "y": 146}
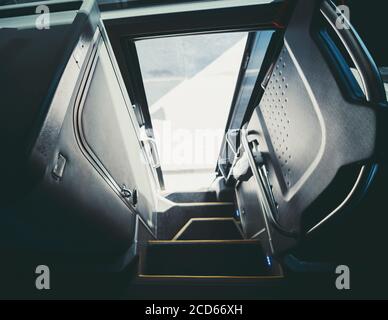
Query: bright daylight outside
{"x": 189, "y": 83}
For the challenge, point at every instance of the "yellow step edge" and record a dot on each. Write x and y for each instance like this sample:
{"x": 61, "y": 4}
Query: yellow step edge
{"x": 188, "y": 223}
{"x": 209, "y": 277}
{"x": 203, "y": 241}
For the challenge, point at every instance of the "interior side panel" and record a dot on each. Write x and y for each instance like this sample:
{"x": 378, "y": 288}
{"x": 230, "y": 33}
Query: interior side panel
{"x": 90, "y": 216}
{"x": 22, "y": 97}
{"x": 65, "y": 210}
{"x": 113, "y": 138}
{"x": 327, "y": 132}
{"x": 72, "y": 211}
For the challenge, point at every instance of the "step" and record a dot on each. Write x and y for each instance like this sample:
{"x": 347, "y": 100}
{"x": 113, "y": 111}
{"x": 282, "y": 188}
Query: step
{"x": 178, "y": 215}
{"x": 207, "y": 259}
{"x": 210, "y": 229}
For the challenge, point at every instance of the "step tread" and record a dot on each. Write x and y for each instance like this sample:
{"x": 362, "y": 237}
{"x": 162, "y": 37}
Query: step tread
{"x": 204, "y": 258}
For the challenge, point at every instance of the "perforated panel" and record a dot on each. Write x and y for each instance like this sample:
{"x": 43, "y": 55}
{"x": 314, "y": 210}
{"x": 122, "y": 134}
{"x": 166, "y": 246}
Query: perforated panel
{"x": 285, "y": 108}
{"x": 308, "y": 128}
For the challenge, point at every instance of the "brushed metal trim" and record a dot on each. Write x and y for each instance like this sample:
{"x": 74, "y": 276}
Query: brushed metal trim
{"x": 261, "y": 192}
{"x": 258, "y": 233}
